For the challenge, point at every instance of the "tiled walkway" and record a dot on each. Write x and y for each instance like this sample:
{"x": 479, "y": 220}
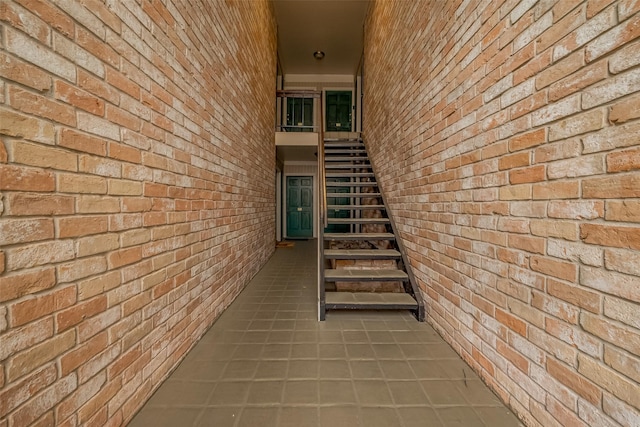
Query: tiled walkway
{"x": 268, "y": 362}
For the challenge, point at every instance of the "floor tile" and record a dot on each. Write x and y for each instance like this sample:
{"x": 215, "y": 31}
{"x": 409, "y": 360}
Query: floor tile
{"x": 268, "y": 362}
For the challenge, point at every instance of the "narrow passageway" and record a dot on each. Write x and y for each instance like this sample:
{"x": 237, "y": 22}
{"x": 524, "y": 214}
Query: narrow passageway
{"x": 268, "y": 362}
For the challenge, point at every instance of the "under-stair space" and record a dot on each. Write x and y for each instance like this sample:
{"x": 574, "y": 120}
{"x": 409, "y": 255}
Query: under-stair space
{"x": 362, "y": 262}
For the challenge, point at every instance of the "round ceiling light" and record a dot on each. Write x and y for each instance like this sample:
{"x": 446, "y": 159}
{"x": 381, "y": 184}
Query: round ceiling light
{"x": 318, "y": 54}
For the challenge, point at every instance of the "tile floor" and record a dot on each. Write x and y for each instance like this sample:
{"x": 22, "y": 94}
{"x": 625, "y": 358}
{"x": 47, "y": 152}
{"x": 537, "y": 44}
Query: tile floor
{"x": 268, "y": 362}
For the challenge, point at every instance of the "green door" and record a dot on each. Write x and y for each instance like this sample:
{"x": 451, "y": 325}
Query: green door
{"x": 339, "y": 111}
{"x": 299, "y": 206}
{"x": 338, "y": 213}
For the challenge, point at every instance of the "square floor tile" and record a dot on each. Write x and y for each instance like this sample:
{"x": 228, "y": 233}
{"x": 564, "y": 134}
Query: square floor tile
{"x": 407, "y": 393}
{"x": 366, "y": 369}
{"x": 443, "y": 392}
{"x": 420, "y": 416}
{"x": 373, "y": 392}
{"x": 218, "y": 417}
{"x": 379, "y": 417}
{"x": 181, "y": 393}
{"x": 265, "y": 392}
{"x": 335, "y": 369}
{"x": 297, "y": 416}
{"x": 229, "y": 393}
{"x": 335, "y": 392}
{"x": 339, "y": 416}
{"x": 459, "y": 416}
{"x": 272, "y": 369}
{"x": 301, "y": 392}
{"x": 258, "y": 416}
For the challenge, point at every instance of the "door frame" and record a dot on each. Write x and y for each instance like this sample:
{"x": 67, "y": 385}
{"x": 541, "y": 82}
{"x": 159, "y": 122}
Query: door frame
{"x": 314, "y": 215}
{"x": 324, "y": 104}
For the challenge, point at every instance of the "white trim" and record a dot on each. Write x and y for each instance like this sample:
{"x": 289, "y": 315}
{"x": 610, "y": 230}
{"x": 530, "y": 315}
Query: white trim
{"x": 314, "y": 186}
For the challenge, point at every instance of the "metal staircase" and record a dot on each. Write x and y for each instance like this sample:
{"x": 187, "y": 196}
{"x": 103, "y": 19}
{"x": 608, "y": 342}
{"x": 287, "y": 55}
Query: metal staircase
{"x": 362, "y": 264}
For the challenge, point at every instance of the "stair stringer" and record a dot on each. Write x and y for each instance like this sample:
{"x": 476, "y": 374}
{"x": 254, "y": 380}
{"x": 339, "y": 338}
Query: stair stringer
{"x": 416, "y": 293}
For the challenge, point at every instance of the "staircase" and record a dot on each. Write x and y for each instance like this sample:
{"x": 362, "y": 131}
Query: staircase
{"x": 362, "y": 265}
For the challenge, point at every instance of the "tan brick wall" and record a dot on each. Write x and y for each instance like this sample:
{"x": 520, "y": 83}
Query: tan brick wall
{"x": 137, "y": 198}
{"x": 506, "y": 138}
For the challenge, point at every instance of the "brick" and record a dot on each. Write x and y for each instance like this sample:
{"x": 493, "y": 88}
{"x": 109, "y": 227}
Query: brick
{"x": 14, "y": 231}
{"x": 98, "y": 204}
{"x": 609, "y": 282}
{"x": 556, "y": 190}
{"x": 26, "y": 283}
{"x": 525, "y": 175}
{"x": 560, "y": 69}
{"x": 18, "y": 71}
{"x": 100, "y": 166}
{"x": 528, "y": 140}
{"x": 582, "y": 78}
{"x": 625, "y": 58}
{"x": 95, "y": 286}
{"x": 585, "y": 33}
{"x": 80, "y": 269}
{"x": 560, "y": 269}
{"x": 20, "y": 392}
{"x": 617, "y": 186}
{"x": 621, "y": 237}
{"x": 574, "y": 381}
{"x": 622, "y": 311}
{"x": 622, "y": 261}
{"x": 65, "y": 319}
{"x": 37, "y": 54}
{"x": 623, "y": 161}
{"x": 609, "y": 41}
{"x": 121, "y": 82}
{"x": 98, "y": 126}
{"x": 581, "y": 166}
{"x": 611, "y": 332}
{"x": 625, "y": 110}
{"x": 51, "y": 15}
{"x": 29, "y": 412}
{"x": 556, "y": 110}
{"x": 81, "y": 142}
{"x": 554, "y": 228}
{"x": 42, "y": 156}
{"x": 619, "y": 411}
{"x": 27, "y": 310}
{"x": 511, "y": 322}
{"x": 625, "y": 211}
{"x": 72, "y": 183}
{"x": 575, "y": 295}
{"x": 609, "y": 380}
{"x": 575, "y": 251}
{"x": 574, "y": 336}
{"x": 611, "y": 137}
{"x": 576, "y": 209}
{"x": 38, "y": 254}
{"x": 41, "y": 106}
{"x": 622, "y": 362}
{"x": 38, "y": 204}
{"x": 527, "y": 243}
{"x": 97, "y": 244}
{"x": 613, "y": 88}
{"x": 29, "y": 128}
{"x": 576, "y": 125}
{"x": 78, "y": 98}
{"x": 81, "y": 226}
{"x": 124, "y": 257}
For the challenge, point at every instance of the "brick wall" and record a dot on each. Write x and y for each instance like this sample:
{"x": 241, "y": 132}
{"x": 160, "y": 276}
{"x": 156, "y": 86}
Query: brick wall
{"x": 137, "y": 183}
{"x": 506, "y": 138}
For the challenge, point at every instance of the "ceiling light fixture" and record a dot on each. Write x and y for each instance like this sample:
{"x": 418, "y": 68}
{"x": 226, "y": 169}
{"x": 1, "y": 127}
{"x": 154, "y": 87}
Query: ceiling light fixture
{"x": 318, "y": 54}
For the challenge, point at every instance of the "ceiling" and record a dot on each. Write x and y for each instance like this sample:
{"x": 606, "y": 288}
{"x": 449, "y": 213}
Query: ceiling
{"x": 332, "y": 26}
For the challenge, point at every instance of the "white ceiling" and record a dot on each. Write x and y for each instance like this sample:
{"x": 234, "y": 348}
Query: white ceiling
{"x": 332, "y": 26}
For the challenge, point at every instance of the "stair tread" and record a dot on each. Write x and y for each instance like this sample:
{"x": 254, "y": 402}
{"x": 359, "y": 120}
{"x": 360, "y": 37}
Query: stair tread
{"x": 348, "y": 166}
{"x": 369, "y": 300}
{"x": 344, "y": 158}
{"x": 359, "y": 236}
{"x": 348, "y": 174}
{"x": 344, "y": 274}
{"x": 364, "y": 195}
{"x": 354, "y": 207}
{"x": 352, "y": 184}
{"x": 361, "y": 253}
{"x": 358, "y": 220}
